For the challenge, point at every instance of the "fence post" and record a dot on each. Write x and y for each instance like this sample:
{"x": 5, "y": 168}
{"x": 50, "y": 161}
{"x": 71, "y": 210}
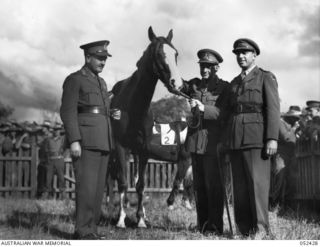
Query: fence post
{"x": 33, "y": 171}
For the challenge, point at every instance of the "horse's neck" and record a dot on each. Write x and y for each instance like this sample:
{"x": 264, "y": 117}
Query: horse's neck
{"x": 145, "y": 84}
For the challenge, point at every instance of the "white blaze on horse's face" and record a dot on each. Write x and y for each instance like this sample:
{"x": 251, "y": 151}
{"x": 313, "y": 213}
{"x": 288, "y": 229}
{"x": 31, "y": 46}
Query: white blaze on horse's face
{"x": 170, "y": 59}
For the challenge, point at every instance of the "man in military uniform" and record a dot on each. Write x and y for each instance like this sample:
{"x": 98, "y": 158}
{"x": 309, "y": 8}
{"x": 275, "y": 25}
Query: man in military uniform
{"x": 253, "y": 118}
{"x": 85, "y": 113}
{"x": 54, "y": 147}
{"x": 202, "y": 140}
{"x": 312, "y": 128}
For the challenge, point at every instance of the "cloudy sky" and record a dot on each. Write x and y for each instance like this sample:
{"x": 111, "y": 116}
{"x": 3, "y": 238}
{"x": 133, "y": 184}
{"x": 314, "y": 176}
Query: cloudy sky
{"x": 40, "y": 41}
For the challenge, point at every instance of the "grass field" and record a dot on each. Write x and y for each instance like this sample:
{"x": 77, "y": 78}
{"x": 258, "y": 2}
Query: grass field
{"x": 50, "y": 219}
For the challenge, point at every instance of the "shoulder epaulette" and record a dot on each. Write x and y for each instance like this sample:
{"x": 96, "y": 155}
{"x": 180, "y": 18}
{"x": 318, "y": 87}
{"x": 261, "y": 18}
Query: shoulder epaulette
{"x": 269, "y": 73}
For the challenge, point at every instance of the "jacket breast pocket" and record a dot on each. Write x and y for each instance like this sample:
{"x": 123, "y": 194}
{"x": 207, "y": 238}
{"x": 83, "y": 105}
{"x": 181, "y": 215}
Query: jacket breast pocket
{"x": 211, "y": 99}
{"x": 253, "y": 131}
{"x": 253, "y": 94}
{"x": 93, "y": 98}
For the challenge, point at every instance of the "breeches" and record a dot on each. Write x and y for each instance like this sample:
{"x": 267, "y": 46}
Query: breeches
{"x": 251, "y": 182}
{"x": 55, "y": 166}
{"x": 90, "y": 172}
{"x": 208, "y": 191}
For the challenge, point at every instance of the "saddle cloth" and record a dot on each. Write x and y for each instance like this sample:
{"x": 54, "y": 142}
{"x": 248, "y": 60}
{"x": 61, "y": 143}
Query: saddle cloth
{"x": 168, "y": 134}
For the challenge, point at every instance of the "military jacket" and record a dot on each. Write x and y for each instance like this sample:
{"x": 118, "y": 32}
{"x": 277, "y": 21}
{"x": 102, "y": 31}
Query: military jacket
{"x": 83, "y": 88}
{"x": 204, "y": 139}
{"x": 251, "y": 129}
{"x": 54, "y": 146}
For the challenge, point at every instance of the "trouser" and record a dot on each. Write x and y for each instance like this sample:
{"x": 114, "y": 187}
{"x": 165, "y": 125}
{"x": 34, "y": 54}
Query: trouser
{"x": 208, "y": 190}
{"x": 55, "y": 166}
{"x": 251, "y": 182}
{"x": 41, "y": 177}
{"x": 90, "y": 173}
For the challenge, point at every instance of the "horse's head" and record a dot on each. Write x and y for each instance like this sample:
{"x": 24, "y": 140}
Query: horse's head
{"x": 164, "y": 61}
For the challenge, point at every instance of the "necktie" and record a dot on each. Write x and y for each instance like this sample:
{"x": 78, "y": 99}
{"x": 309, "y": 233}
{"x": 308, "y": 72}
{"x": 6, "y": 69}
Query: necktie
{"x": 243, "y": 75}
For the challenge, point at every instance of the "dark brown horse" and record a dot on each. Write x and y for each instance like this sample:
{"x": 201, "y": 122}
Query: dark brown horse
{"x": 133, "y": 97}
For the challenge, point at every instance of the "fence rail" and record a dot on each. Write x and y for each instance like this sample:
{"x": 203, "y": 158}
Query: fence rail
{"x": 19, "y": 176}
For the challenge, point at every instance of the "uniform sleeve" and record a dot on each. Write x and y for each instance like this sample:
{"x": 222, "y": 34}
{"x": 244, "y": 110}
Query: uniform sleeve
{"x": 69, "y": 109}
{"x": 272, "y": 106}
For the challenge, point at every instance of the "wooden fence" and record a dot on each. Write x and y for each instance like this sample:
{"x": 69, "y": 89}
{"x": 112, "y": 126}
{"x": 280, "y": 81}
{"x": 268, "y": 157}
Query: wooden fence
{"x": 307, "y": 170}
{"x": 19, "y": 174}
{"x": 159, "y": 177}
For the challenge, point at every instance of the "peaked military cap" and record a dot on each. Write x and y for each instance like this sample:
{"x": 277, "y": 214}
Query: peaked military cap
{"x": 209, "y": 56}
{"x": 313, "y": 104}
{"x": 245, "y": 44}
{"x": 98, "y": 48}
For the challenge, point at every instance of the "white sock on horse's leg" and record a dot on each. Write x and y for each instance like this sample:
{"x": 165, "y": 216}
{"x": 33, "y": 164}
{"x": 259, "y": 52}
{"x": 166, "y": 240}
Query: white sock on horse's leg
{"x": 122, "y": 214}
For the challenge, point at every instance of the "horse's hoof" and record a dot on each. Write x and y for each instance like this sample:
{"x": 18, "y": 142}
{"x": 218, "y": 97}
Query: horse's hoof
{"x": 142, "y": 224}
{"x": 171, "y": 207}
{"x": 187, "y": 204}
{"x": 121, "y": 225}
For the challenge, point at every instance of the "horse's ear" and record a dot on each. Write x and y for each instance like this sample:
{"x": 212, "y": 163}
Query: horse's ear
{"x": 151, "y": 34}
{"x": 170, "y": 35}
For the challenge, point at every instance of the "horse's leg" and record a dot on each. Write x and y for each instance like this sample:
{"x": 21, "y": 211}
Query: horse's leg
{"x": 182, "y": 164}
{"x": 110, "y": 188}
{"x": 136, "y": 168}
{"x": 187, "y": 193}
{"x": 122, "y": 183}
{"x": 143, "y": 159}
{"x": 175, "y": 189}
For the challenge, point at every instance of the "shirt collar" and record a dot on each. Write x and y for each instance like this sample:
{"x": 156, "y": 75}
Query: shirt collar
{"x": 246, "y": 72}
{"x": 87, "y": 71}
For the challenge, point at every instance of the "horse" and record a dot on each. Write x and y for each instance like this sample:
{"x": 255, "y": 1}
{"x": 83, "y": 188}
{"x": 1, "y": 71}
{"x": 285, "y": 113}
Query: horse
{"x": 132, "y": 97}
{"x": 166, "y": 143}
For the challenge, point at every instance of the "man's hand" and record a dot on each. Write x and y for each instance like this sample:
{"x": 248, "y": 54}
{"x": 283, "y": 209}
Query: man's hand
{"x": 116, "y": 114}
{"x": 75, "y": 149}
{"x": 195, "y": 102}
{"x": 271, "y": 147}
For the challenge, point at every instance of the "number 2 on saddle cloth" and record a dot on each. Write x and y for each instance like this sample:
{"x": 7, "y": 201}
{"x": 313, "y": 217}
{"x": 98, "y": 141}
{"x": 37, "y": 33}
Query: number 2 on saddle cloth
{"x": 165, "y": 142}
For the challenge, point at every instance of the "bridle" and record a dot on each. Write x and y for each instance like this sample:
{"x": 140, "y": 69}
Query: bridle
{"x": 159, "y": 67}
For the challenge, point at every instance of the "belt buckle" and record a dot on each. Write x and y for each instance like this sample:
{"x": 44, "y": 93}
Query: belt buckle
{"x": 95, "y": 110}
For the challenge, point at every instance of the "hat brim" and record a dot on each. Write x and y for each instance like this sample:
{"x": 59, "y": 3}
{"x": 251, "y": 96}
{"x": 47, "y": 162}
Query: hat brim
{"x": 291, "y": 116}
{"x": 208, "y": 62}
{"x": 235, "y": 51}
{"x": 102, "y": 54}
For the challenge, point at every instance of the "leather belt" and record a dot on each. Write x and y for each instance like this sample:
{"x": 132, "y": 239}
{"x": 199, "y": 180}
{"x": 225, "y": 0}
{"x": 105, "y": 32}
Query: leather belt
{"x": 93, "y": 109}
{"x": 247, "y": 108}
